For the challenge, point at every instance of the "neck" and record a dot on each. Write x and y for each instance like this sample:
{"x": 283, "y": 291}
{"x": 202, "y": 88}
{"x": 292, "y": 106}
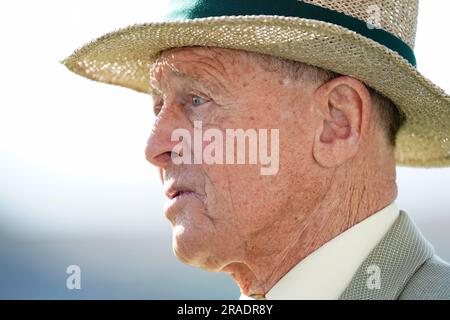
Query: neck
{"x": 345, "y": 203}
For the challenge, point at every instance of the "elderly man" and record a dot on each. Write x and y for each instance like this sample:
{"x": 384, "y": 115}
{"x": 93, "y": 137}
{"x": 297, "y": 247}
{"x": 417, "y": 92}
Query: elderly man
{"x": 336, "y": 81}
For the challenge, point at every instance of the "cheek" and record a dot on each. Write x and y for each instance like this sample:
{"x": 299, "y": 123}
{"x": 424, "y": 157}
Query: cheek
{"x": 247, "y": 202}
{"x": 242, "y": 199}
{"x": 233, "y": 196}
{"x": 218, "y": 189}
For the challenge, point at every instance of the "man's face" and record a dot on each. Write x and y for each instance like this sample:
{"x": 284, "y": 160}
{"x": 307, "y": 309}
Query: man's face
{"x": 221, "y": 211}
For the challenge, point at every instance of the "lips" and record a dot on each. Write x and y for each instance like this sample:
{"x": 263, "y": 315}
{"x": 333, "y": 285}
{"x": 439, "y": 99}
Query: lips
{"x": 179, "y": 196}
{"x": 174, "y": 191}
{"x": 180, "y": 193}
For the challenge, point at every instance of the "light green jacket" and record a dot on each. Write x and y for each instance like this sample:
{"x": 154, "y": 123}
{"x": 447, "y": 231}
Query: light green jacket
{"x": 402, "y": 266}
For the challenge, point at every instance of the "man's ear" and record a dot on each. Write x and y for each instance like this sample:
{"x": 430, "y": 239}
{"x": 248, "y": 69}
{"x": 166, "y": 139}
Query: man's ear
{"x": 343, "y": 106}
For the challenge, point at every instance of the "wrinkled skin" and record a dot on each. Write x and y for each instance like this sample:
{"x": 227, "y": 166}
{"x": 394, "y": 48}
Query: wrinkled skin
{"x": 335, "y": 167}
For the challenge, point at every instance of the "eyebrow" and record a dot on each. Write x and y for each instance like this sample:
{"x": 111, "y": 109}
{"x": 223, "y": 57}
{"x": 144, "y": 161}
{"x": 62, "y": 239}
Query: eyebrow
{"x": 191, "y": 78}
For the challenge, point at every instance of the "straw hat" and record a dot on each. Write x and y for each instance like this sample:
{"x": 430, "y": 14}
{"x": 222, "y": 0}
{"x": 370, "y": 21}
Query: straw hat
{"x": 371, "y": 40}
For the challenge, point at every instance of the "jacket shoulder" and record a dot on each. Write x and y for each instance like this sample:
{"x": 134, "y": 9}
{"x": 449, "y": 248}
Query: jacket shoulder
{"x": 430, "y": 282}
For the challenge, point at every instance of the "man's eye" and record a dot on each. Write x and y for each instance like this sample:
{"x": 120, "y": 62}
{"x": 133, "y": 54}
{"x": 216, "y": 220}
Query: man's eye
{"x": 198, "y": 101}
{"x": 156, "y": 110}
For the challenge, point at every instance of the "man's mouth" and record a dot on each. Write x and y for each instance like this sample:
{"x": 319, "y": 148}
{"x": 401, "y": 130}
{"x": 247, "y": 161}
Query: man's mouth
{"x": 178, "y": 195}
{"x": 181, "y": 193}
{"x": 174, "y": 192}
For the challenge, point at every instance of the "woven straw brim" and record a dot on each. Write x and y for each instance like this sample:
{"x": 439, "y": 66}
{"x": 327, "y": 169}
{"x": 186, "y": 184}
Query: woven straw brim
{"x": 124, "y": 57}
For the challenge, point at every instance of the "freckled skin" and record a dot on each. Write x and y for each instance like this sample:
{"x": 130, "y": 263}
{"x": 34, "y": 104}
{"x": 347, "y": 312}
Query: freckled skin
{"x": 258, "y": 227}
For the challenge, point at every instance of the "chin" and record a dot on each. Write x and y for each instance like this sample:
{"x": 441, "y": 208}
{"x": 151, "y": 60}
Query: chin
{"x": 196, "y": 249}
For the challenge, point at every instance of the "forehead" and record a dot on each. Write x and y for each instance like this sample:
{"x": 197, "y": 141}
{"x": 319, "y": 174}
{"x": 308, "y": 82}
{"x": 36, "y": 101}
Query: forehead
{"x": 216, "y": 58}
{"x": 198, "y": 63}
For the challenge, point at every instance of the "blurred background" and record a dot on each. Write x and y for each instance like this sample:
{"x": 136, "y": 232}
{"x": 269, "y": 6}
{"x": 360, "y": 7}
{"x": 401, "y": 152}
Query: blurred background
{"x": 75, "y": 188}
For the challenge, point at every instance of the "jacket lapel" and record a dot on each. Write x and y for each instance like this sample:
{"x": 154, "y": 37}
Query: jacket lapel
{"x": 387, "y": 269}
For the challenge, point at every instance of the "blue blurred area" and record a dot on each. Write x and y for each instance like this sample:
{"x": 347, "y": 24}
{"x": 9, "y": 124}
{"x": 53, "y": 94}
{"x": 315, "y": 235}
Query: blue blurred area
{"x": 111, "y": 268}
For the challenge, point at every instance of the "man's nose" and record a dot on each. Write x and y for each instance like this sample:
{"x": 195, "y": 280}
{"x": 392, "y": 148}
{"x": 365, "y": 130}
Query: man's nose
{"x": 160, "y": 145}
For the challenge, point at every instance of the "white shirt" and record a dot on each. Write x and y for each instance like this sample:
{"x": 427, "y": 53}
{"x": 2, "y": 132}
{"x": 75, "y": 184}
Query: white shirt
{"x": 326, "y": 273}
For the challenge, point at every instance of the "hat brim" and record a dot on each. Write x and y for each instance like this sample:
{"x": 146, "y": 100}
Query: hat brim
{"x": 123, "y": 58}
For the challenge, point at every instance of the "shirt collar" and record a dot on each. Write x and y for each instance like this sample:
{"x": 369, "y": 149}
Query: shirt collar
{"x": 325, "y": 273}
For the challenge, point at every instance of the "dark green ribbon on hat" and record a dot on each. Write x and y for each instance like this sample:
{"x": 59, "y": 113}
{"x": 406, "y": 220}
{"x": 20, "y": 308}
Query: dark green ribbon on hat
{"x": 192, "y": 9}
